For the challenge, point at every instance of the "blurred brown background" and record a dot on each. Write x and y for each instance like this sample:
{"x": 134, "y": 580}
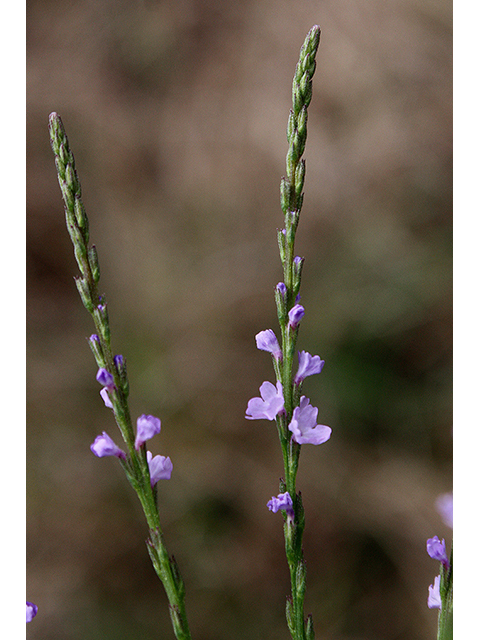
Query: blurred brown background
{"x": 176, "y": 112}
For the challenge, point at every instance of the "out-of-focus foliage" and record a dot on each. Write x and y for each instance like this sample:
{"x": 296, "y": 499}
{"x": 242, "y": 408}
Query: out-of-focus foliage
{"x": 176, "y": 112}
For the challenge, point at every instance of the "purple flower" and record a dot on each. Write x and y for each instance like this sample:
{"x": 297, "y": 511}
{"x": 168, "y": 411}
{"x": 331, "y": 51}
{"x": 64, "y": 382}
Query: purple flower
{"x": 295, "y": 315}
{"x": 269, "y": 405}
{"x": 267, "y": 341}
{"x": 436, "y": 550}
{"x": 444, "y": 506}
{"x": 307, "y": 366}
{"x": 160, "y": 468}
{"x": 106, "y": 397}
{"x": 147, "y": 427}
{"x": 282, "y": 501}
{"x": 105, "y": 378}
{"x": 31, "y": 611}
{"x": 434, "y": 600}
{"x": 282, "y": 289}
{"x": 105, "y": 446}
{"x": 304, "y": 427}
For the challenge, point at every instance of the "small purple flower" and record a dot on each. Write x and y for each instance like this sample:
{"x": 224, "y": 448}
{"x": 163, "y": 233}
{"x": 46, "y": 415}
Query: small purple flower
{"x": 282, "y": 289}
{"x": 106, "y": 397}
{"x": 436, "y": 549}
{"x": 267, "y": 341}
{"x": 94, "y": 338}
{"x": 444, "y": 506}
{"x": 31, "y": 611}
{"x": 295, "y": 315}
{"x": 147, "y": 427}
{"x": 434, "y": 599}
{"x": 105, "y": 446}
{"x": 105, "y": 378}
{"x": 160, "y": 468}
{"x": 307, "y": 366}
{"x": 304, "y": 427}
{"x": 269, "y": 405}
{"x": 282, "y": 502}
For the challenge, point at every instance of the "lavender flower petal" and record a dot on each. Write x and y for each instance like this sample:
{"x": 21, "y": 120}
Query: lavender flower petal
{"x": 282, "y": 289}
{"x": 444, "y": 506}
{"x": 31, "y": 611}
{"x": 105, "y": 446}
{"x": 147, "y": 427}
{"x": 160, "y": 468}
{"x": 307, "y": 366}
{"x": 267, "y": 341}
{"x": 269, "y": 405}
{"x": 295, "y": 315}
{"x": 436, "y": 549}
{"x": 105, "y": 378}
{"x": 282, "y": 501}
{"x": 434, "y": 600}
{"x": 106, "y": 397}
{"x": 304, "y": 427}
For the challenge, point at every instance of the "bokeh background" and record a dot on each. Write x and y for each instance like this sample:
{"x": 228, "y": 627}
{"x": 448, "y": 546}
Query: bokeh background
{"x": 176, "y": 112}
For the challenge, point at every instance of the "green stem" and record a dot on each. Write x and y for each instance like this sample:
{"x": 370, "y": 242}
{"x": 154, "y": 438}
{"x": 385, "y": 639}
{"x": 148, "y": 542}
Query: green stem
{"x": 291, "y": 199}
{"x": 135, "y": 466}
{"x": 445, "y": 616}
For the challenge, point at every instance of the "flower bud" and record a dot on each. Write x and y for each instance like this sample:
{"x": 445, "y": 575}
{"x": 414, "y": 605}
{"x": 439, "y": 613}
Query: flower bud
{"x": 295, "y": 315}
{"x": 93, "y": 262}
{"x": 84, "y": 292}
{"x": 96, "y": 347}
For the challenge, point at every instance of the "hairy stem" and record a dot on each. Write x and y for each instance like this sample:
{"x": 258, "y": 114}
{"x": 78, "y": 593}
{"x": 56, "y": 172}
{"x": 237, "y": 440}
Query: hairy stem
{"x": 291, "y": 199}
{"x": 135, "y": 465}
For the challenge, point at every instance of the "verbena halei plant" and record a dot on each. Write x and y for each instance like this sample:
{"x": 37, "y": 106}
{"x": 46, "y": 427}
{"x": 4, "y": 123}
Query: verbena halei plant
{"x": 281, "y": 401}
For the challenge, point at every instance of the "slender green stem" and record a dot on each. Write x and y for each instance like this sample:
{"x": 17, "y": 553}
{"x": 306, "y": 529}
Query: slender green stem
{"x": 291, "y": 199}
{"x": 135, "y": 465}
{"x": 445, "y": 615}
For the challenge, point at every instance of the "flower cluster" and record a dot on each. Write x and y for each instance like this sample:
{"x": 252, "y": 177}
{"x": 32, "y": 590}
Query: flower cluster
{"x": 160, "y": 467}
{"x": 303, "y": 424}
{"x": 436, "y": 549}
